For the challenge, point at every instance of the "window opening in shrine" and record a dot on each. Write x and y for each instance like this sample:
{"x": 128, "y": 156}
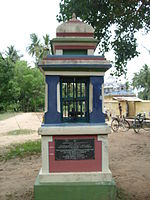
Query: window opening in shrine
{"x": 75, "y": 52}
{"x": 74, "y": 99}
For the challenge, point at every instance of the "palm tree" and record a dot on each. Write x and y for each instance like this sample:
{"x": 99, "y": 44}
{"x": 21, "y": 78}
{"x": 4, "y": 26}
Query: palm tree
{"x": 12, "y": 54}
{"x": 35, "y": 48}
{"x": 46, "y": 46}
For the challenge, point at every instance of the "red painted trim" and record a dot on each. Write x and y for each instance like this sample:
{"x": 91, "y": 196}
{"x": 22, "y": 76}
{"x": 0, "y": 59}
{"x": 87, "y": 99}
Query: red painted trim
{"x": 75, "y": 47}
{"x": 74, "y": 58}
{"x": 75, "y": 165}
{"x": 75, "y": 34}
{"x": 74, "y": 21}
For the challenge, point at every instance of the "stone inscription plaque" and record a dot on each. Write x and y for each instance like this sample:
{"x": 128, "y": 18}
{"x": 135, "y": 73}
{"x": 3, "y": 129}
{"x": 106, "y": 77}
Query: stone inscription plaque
{"x": 74, "y": 149}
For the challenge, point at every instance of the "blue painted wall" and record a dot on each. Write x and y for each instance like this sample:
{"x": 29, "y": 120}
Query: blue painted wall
{"x": 97, "y": 115}
{"x": 52, "y": 116}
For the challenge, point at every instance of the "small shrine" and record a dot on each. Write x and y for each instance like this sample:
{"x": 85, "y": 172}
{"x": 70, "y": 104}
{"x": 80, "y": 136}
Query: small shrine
{"x": 74, "y": 134}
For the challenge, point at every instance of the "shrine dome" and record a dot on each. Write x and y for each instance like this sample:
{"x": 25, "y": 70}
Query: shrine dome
{"x": 74, "y": 28}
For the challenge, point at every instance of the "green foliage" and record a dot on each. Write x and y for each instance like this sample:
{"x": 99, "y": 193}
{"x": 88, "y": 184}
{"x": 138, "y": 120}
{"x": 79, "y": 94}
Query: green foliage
{"x": 37, "y": 49}
{"x": 124, "y": 17}
{"x": 12, "y": 54}
{"x": 6, "y": 85}
{"x": 21, "y": 150}
{"x": 127, "y": 84}
{"x": 21, "y": 132}
{"x": 141, "y": 81}
{"x": 22, "y": 87}
{"x": 30, "y": 84}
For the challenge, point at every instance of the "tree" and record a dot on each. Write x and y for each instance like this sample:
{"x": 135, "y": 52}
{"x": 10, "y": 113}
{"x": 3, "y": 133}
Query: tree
{"x": 37, "y": 49}
{"x": 21, "y": 87}
{"x": 141, "y": 81}
{"x": 6, "y": 85}
{"x": 31, "y": 84}
{"x": 12, "y": 54}
{"x": 46, "y": 45}
{"x": 124, "y": 17}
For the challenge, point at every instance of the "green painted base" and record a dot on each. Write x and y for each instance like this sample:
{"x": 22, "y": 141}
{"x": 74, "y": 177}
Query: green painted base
{"x": 74, "y": 191}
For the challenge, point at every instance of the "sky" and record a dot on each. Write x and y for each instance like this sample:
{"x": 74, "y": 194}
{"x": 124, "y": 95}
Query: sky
{"x": 20, "y": 18}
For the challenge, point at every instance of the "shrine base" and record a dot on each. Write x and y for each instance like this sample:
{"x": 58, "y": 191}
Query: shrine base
{"x": 105, "y": 190}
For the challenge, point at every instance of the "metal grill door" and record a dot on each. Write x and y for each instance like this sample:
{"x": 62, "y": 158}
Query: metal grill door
{"x": 74, "y": 99}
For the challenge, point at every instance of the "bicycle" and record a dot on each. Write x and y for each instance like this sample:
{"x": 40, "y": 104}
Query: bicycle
{"x": 120, "y": 123}
{"x": 140, "y": 121}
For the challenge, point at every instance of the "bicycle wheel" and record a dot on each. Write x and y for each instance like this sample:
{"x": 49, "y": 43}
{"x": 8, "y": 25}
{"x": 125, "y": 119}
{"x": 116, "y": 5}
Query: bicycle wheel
{"x": 136, "y": 126}
{"x": 146, "y": 125}
{"x": 124, "y": 126}
{"x": 115, "y": 125}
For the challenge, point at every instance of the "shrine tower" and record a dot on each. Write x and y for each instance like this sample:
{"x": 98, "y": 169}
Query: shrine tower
{"x": 74, "y": 134}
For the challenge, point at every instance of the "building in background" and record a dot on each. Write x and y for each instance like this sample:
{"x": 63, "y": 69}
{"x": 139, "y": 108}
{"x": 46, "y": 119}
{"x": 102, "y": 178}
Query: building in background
{"x": 115, "y": 93}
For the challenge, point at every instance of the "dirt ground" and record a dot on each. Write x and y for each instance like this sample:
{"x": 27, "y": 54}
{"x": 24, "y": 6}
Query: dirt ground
{"x": 22, "y": 121}
{"x": 129, "y": 156}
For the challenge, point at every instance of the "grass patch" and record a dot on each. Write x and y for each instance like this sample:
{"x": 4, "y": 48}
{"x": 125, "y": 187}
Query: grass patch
{"x": 21, "y": 132}
{"x": 21, "y": 150}
{"x": 7, "y": 115}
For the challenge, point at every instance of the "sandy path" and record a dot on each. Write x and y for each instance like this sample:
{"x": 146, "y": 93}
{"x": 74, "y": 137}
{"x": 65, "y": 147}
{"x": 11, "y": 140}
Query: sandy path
{"x": 7, "y": 140}
{"x": 21, "y": 121}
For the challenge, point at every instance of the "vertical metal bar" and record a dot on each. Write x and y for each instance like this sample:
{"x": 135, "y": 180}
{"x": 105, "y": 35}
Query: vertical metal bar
{"x": 61, "y": 101}
{"x": 81, "y": 97}
{"x": 73, "y": 96}
{"x": 68, "y": 95}
{"x": 81, "y": 89}
{"x": 76, "y": 95}
{"x": 85, "y": 97}
{"x": 65, "y": 98}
